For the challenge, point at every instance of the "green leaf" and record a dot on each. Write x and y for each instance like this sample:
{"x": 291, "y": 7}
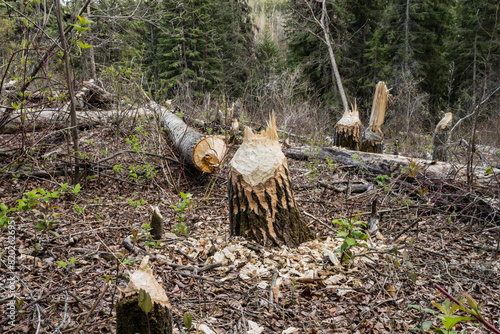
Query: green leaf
{"x": 144, "y": 301}
{"x": 77, "y": 189}
{"x": 3, "y": 207}
{"x": 449, "y": 322}
{"x": 188, "y": 318}
{"x": 342, "y": 234}
{"x": 40, "y": 226}
{"x": 426, "y": 325}
{"x": 489, "y": 170}
{"x": 84, "y": 45}
{"x": 84, "y": 21}
{"x": 439, "y": 306}
{"x": 78, "y": 28}
{"x": 350, "y": 241}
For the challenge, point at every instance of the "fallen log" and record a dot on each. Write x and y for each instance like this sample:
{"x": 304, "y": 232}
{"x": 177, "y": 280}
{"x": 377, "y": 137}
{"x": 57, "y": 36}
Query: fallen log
{"x": 261, "y": 202}
{"x": 385, "y": 164}
{"x": 58, "y": 118}
{"x": 205, "y": 153}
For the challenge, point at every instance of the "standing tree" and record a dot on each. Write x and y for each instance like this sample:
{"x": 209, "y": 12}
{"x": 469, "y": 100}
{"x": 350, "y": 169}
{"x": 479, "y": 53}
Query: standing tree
{"x": 261, "y": 202}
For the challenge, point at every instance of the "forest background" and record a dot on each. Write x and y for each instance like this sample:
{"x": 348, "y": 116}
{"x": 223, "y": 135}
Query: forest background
{"x": 435, "y": 56}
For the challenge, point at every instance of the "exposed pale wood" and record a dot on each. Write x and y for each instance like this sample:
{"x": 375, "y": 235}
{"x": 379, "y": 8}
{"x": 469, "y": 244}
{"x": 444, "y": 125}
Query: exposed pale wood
{"x": 442, "y": 134}
{"x": 130, "y": 318}
{"x": 261, "y": 202}
{"x": 347, "y": 130}
{"x": 205, "y": 153}
{"x": 373, "y": 136}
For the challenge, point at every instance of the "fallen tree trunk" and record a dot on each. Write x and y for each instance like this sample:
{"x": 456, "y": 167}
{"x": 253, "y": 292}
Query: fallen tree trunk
{"x": 34, "y": 120}
{"x": 261, "y": 202}
{"x": 205, "y": 153}
{"x": 385, "y": 164}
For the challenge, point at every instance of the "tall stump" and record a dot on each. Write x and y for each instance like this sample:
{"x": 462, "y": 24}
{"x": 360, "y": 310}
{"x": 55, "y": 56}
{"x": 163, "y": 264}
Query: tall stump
{"x": 441, "y": 145}
{"x": 130, "y": 318}
{"x": 347, "y": 130}
{"x": 373, "y": 140}
{"x": 261, "y": 202}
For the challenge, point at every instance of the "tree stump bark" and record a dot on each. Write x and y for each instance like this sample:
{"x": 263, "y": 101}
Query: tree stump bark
{"x": 130, "y": 318}
{"x": 347, "y": 130}
{"x": 205, "y": 153}
{"x": 442, "y": 134}
{"x": 261, "y": 202}
{"x": 373, "y": 137}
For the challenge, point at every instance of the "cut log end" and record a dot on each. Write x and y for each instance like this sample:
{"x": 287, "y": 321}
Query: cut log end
{"x": 208, "y": 154}
{"x": 261, "y": 202}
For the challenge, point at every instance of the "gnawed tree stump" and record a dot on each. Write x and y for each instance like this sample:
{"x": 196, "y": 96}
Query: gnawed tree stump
{"x": 442, "y": 134}
{"x": 205, "y": 153}
{"x": 261, "y": 202}
{"x": 373, "y": 137}
{"x": 130, "y": 318}
{"x": 347, "y": 130}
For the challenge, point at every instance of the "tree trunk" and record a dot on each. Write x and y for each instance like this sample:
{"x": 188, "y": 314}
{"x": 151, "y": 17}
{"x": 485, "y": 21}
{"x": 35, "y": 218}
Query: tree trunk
{"x": 205, "y": 153}
{"x": 74, "y": 129}
{"x": 91, "y": 55}
{"x": 130, "y": 317}
{"x": 442, "y": 134}
{"x": 373, "y": 138}
{"x": 326, "y": 32}
{"x": 347, "y": 130}
{"x": 261, "y": 202}
{"x": 385, "y": 164}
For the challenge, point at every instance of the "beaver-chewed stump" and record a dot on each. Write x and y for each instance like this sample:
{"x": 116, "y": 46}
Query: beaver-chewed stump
{"x": 442, "y": 134}
{"x": 261, "y": 202}
{"x": 130, "y": 318}
{"x": 373, "y": 140}
{"x": 347, "y": 130}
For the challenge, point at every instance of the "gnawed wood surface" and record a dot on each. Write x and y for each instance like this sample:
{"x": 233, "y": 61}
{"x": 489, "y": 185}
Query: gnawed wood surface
{"x": 205, "y": 153}
{"x": 130, "y": 318}
{"x": 373, "y": 136}
{"x": 347, "y": 130}
{"x": 261, "y": 202}
{"x": 442, "y": 134}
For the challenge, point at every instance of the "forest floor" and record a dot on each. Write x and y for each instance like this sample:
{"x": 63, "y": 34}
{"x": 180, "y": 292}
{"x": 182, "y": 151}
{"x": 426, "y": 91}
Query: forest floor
{"x": 430, "y": 233}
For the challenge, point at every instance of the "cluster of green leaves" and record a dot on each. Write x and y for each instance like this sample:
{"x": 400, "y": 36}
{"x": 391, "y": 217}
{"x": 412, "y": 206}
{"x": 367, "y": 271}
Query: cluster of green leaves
{"x": 352, "y": 231}
{"x": 447, "y": 316}
{"x": 185, "y": 204}
{"x": 38, "y": 201}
